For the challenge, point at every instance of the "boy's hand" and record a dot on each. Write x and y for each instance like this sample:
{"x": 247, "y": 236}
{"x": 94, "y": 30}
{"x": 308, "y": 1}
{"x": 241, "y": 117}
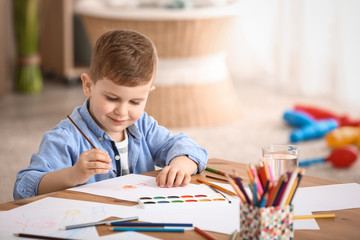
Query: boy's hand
{"x": 178, "y": 173}
{"x": 91, "y": 162}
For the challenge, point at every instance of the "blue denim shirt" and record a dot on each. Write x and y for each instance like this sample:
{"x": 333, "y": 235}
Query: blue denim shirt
{"x": 149, "y": 145}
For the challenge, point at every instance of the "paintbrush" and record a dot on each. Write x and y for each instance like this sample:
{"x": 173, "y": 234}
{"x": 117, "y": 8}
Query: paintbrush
{"x": 86, "y": 138}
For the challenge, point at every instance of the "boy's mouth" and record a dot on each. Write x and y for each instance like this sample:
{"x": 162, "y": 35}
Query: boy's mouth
{"x": 116, "y": 121}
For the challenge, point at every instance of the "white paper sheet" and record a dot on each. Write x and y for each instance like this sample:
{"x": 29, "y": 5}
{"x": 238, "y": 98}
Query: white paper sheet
{"x": 324, "y": 198}
{"x": 217, "y": 219}
{"x": 305, "y": 224}
{"x": 131, "y": 187}
{"x": 223, "y": 219}
{"x": 128, "y": 236}
{"x": 328, "y": 197}
{"x": 47, "y": 215}
{"x": 47, "y": 222}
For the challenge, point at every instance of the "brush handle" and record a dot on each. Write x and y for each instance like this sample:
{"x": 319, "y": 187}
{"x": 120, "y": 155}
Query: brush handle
{"x": 309, "y": 162}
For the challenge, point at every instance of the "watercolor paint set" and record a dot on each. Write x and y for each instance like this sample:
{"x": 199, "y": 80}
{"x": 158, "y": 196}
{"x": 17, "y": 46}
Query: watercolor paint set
{"x": 197, "y": 200}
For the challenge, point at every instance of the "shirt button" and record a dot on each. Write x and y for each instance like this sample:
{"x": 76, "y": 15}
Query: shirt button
{"x": 106, "y": 137}
{"x": 100, "y": 139}
{"x": 117, "y": 157}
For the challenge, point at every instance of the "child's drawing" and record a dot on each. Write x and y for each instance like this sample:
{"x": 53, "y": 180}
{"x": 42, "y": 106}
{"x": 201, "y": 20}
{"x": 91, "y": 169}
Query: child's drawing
{"x": 47, "y": 222}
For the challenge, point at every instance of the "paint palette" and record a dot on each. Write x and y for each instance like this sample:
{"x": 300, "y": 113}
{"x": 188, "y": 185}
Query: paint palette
{"x": 198, "y": 200}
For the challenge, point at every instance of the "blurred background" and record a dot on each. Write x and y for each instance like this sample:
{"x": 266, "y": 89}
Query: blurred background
{"x": 228, "y": 70}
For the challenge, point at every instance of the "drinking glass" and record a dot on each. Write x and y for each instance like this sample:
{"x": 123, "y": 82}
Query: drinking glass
{"x": 281, "y": 158}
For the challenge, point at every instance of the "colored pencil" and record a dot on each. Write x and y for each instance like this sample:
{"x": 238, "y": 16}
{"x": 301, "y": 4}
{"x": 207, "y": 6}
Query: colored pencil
{"x": 294, "y": 187}
{"x": 251, "y": 187}
{"x": 271, "y": 190}
{"x": 147, "y": 224}
{"x": 215, "y": 171}
{"x": 298, "y": 183}
{"x": 218, "y": 172}
{"x": 255, "y": 195}
{"x": 207, "y": 236}
{"x": 267, "y": 171}
{"x": 292, "y": 191}
{"x": 236, "y": 188}
{"x": 256, "y": 179}
{"x": 280, "y": 192}
{"x": 136, "y": 229}
{"x": 263, "y": 200}
{"x": 277, "y": 188}
{"x": 90, "y": 224}
{"x": 234, "y": 234}
{"x": 86, "y": 138}
{"x": 27, "y": 235}
{"x": 241, "y": 186}
{"x": 314, "y": 216}
{"x": 217, "y": 187}
{"x": 288, "y": 187}
{"x": 262, "y": 174}
{"x": 251, "y": 178}
{"x": 266, "y": 188}
{"x": 221, "y": 179}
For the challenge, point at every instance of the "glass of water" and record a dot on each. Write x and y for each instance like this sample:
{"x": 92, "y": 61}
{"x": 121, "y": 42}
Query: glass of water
{"x": 281, "y": 158}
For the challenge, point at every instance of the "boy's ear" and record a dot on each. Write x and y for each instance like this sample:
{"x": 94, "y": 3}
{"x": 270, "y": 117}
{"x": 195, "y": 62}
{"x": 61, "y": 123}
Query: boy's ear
{"x": 86, "y": 84}
{"x": 152, "y": 88}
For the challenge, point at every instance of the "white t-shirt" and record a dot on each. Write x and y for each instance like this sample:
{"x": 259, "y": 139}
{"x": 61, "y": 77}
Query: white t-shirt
{"x": 123, "y": 150}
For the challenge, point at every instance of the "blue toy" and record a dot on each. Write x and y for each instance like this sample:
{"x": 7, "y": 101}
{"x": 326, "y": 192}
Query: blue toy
{"x": 307, "y": 127}
{"x": 298, "y": 118}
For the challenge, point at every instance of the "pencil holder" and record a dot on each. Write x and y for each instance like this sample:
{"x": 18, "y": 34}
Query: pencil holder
{"x": 266, "y": 223}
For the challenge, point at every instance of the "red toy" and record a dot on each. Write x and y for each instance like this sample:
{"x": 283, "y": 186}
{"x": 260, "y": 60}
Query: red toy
{"x": 341, "y": 157}
{"x": 319, "y": 113}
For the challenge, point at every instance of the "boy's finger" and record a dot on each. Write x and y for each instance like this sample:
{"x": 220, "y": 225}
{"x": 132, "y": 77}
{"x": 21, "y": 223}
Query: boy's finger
{"x": 186, "y": 180}
{"x": 99, "y": 171}
{"x": 180, "y": 176}
{"x": 171, "y": 177}
{"x": 99, "y": 156}
{"x": 162, "y": 177}
{"x": 98, "y": 165}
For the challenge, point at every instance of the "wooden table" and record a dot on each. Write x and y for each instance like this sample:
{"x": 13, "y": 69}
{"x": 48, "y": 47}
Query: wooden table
{"x": 346, "y": 225}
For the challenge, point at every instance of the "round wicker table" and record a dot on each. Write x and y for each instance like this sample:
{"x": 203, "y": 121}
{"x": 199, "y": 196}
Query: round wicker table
{"x": 193, "y": 87}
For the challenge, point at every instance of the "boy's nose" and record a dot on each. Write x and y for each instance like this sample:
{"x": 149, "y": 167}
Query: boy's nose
{"x": 121, "y": 109}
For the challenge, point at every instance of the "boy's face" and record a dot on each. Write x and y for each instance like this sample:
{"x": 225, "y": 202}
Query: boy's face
{"x": 115, "y": 107}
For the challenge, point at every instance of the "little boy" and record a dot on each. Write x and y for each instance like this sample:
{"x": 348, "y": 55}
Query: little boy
{"x": 122, "y": 72}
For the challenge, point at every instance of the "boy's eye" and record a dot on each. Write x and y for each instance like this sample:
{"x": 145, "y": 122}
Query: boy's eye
{"x": 111, "y": 98}
{"x": 135, "y": 102}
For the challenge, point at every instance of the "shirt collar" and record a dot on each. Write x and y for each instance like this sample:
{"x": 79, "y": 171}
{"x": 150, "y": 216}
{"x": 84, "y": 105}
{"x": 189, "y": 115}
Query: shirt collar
{"x": 91, "y": 124}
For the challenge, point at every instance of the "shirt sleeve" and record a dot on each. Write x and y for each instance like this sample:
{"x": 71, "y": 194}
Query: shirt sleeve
{"x": 165, "y": 146}
{"x": 55, "y": 153}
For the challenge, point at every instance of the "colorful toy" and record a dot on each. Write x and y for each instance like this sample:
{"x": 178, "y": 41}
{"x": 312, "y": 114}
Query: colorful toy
{"x": 308, "y": 127}
{"x": 340, "y": 133}
{"x": 341, "y": 157}
{"x": 343, "y": 136}
{"x": 319, "y": 113}
{"x": 297, "y": 118}
{"x": 313, "y": 131}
